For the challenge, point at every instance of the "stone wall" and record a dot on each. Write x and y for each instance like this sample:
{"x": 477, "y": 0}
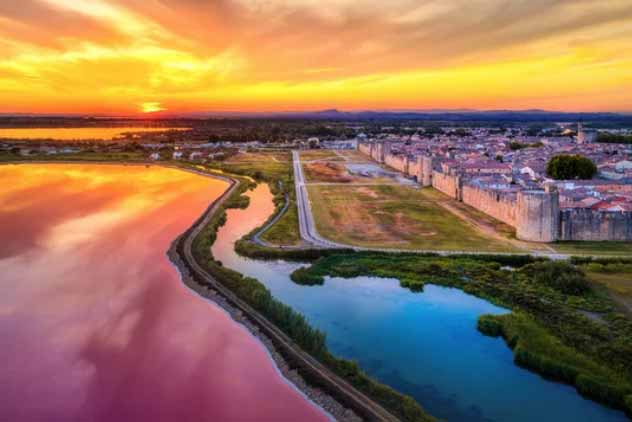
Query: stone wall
{"x": 398, "y": 162}
{"x": 446, "y": 183}
{"x": 414, "y": 169}
{"x": 500, "y": 206}
{"x": 588, "y": 224}
{"x": 538, "y": 215}
{"x": 365, "y": 148}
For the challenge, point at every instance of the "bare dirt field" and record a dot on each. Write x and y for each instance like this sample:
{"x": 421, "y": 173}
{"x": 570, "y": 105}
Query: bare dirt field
{"x": 330, "y": 172}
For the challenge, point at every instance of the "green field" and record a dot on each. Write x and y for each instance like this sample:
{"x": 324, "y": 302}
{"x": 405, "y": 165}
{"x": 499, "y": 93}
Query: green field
{"x": 285, "y": 232}
{"x": 394, "y": 216}
{"x": 616, "y": 278}
{"x": 594, "y": 248}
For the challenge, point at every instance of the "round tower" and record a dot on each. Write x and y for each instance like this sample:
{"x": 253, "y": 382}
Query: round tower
{"x": 426, "y": 171}
{"x": 538, "y": 215}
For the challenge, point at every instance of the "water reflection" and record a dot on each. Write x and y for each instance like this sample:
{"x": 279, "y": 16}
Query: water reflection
{"x": 71, "y": 134}
{"x": 94, "y": 322}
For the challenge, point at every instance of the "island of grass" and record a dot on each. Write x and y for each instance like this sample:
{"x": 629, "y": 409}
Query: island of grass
{"x": 561, "y": 325}
{"x": 396, "y": 217}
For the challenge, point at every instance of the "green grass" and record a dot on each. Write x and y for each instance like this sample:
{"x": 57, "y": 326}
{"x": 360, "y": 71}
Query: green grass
{"x": 616, "y": 278}
{"x": 285, "y": 231}
{"x": 594, "y": 248}
{"x": 393, "y": 216}
{"x": 276, "y": 170}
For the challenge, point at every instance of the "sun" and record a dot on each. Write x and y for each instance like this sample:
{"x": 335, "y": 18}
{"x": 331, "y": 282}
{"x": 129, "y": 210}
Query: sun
{"x": 151, "y": 107}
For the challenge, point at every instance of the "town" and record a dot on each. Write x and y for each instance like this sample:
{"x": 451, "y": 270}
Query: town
{"x": 499, "y": 171}
{"x": 506, "y": 178}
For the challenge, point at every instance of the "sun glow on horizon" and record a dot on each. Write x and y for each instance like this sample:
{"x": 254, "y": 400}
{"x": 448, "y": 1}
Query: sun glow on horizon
{"x": 151, "y": 107}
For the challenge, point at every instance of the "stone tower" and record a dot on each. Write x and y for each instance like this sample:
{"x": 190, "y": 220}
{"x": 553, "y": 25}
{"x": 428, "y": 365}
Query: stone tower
{"x": 426, "y": 171}
{"x": 538, "y": 215}
{"x": 386, "y": 150}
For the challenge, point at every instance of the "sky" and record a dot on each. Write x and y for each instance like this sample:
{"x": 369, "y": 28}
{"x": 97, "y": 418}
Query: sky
{"x": 148, "y": 56}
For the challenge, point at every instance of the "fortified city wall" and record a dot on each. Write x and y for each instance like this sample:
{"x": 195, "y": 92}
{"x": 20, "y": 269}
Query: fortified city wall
{"x": 500, "y": 206}
{"x": 587, "y": 224}
{"x": 538, "y": 215}
{"x": 365, "y": 148}
{"x": 535, "y": 214}
{"x": 447, "y": 184}
{"x": 398, "y": 162}
{"x": 414, "y": 169}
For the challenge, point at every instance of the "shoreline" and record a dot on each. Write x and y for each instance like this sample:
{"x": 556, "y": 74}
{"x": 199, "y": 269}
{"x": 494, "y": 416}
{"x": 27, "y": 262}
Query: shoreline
{"x": 329, "y": 406}
{"x": 318, "y": 397}
{"x": 331, "y": 391}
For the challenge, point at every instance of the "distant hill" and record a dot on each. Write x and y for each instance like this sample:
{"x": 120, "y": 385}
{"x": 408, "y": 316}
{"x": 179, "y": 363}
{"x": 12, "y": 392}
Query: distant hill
{"x": 597, "y": 119}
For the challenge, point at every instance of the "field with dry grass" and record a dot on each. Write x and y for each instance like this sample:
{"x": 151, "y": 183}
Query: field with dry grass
{"x": 393, "y": 216}
{"x": 320, "y": 154}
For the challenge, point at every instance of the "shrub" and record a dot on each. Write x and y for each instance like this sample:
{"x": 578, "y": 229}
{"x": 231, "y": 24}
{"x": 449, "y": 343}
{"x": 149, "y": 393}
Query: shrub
{"x": 628, "y": 405}
{"x": 490, "y": 326}
{"x": 305, "y": 277}
{"x": 560, "y": 276}
{"x": 602, "y": 391}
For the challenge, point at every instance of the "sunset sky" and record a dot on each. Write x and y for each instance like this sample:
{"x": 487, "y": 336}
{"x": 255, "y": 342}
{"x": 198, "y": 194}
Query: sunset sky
{"x": 135, "y": 56}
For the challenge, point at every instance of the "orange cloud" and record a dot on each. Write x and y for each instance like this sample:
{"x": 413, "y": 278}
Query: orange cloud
{"x": 109, "y": 56}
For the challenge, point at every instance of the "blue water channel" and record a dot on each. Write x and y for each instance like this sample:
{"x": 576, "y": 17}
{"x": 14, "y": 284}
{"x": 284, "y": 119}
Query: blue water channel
{"x": 422, "y": 344}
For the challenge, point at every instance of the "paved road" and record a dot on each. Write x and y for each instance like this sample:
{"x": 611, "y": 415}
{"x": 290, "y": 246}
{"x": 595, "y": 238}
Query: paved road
{"x": 354, "y": 398}
{"x": 307, "y": 227}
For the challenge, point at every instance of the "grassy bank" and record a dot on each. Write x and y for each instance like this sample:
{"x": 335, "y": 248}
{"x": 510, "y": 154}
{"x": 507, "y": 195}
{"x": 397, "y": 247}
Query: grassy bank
{"x": 275, "y": 169}
{"x": 561, "y": 326}
{"x": 293, "y": 323}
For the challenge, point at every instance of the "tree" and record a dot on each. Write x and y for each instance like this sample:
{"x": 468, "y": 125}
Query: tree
{"x": 568, "y": 167}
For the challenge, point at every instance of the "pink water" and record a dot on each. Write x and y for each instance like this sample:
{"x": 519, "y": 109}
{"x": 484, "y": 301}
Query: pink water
{"x": 95, "y": 324}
